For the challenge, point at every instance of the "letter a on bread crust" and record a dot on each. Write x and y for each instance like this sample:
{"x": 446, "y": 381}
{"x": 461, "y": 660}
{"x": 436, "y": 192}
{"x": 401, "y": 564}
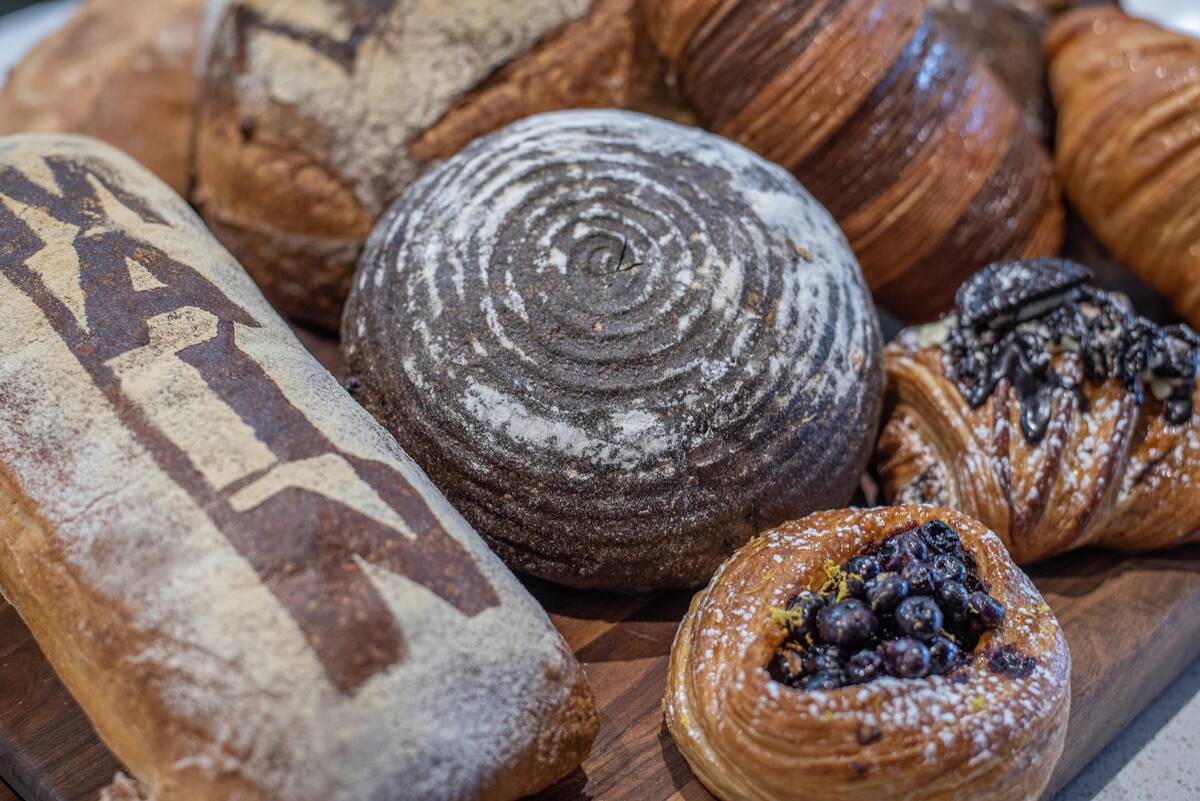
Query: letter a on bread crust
{"x": 259, "y": 574}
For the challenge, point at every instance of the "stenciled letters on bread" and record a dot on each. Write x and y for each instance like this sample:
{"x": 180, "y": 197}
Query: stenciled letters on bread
{"x": 248, "y": 586}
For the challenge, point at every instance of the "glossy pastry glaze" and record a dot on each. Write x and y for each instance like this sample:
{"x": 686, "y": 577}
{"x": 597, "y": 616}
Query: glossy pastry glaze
{"x": 1128, "y": 97}
{"x": 976, "y": 734}
{"x": 911, "y": 143}
{"x": 1083, "y": 448}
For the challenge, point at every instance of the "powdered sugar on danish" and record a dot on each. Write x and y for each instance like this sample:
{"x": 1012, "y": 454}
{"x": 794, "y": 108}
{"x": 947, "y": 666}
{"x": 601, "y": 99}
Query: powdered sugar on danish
{"x": 980, "y": 731}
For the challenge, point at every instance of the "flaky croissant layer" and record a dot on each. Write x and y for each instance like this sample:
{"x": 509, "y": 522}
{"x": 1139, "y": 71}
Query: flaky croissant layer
{"x": 883, "y": 113}
{"x": 978, "y": 734}
{"x": 1112, "y": 472}
{"x": 1128, "y": 98}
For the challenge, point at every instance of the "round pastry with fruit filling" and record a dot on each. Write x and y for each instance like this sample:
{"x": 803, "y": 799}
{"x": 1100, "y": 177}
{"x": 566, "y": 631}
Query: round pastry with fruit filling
{"x": 1045, "y": 407}
{"x": 889, "y": 653}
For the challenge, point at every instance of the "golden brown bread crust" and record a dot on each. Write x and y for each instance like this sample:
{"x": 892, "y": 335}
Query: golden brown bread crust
{"x": 246, "y": 584}
{"x": 123, "y": 71}
{"x": 1128, "y": 98}
{"x": 898, "y": 129}
{"x": 749, "y": 738}
{"x": 1098, "y": 477}
{"x": 287, "y": 186}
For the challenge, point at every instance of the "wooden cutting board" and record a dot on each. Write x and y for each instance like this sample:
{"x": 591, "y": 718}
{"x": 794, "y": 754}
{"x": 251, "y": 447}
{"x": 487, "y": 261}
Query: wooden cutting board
{"x": 1133, "y": 624}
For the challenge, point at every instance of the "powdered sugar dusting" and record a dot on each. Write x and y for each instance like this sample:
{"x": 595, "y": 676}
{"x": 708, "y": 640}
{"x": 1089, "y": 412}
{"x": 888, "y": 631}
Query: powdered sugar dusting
{"x": 900, "y": 734}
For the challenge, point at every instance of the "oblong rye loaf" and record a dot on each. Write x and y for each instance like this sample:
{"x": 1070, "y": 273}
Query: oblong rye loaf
{"x": 249, "y": 587}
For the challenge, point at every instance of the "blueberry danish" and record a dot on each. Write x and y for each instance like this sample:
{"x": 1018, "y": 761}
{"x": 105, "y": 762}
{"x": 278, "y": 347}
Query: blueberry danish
{"x": 893, "y": 653}
{"x": 1048, "y": 410}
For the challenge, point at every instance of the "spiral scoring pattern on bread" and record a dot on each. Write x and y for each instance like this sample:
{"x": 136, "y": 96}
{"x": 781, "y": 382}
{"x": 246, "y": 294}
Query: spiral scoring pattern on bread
{"x": 1128, "y": 97}
{"x": 981, "y": 735}
{"x": 621, "y": 346}
{"x": 911, "y": 143}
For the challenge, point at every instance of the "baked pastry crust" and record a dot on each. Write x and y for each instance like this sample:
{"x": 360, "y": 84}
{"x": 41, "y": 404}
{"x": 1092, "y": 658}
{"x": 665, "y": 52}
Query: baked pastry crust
{"x": 888, "y": 118}
{"x": 1128, "y": 151}
{"x": 1111, "y": 471}
{"x": 747, "y": 737}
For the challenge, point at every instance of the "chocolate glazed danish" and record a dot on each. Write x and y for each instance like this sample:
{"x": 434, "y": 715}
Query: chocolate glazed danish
{"x": 620, "y": 345}
{"x": 907, "y": 138}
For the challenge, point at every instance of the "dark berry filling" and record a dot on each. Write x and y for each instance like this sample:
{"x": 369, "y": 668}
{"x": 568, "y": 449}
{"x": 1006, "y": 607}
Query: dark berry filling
{"x": 1011, "y": 318}
{"x": 1011, "y": 662}
{"x": 912, "y": 607}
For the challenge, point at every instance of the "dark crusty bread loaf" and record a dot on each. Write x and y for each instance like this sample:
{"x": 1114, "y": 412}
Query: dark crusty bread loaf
{"x": 315, "y": 115}
{"x": 121, "y": 70}
{"x": 248, "y": 586}
{"x": 620, "y": 346}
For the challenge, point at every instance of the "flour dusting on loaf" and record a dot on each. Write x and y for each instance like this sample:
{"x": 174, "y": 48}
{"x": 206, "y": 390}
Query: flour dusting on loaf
{"x": 315, "y": 115}
{"x": 252, "y": 591}
{"x": 620, "y": 346}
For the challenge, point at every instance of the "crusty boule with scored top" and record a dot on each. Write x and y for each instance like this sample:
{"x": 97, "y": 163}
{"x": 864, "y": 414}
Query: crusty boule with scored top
{"x": 619, "y": 345}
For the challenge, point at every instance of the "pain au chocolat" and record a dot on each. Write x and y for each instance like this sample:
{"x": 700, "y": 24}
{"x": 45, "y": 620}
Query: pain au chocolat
{"x": 889, "y": 654}
{"x": 250, "y": 589}
{"x": 888, "y": 118}
{"x": 1048, "y": 410}
{"x": 315, "y": 115}
{"x": 620, "y": 346}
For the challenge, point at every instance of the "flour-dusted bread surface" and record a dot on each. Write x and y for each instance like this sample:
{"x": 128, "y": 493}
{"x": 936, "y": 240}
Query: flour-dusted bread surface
{"x": 249, "y": 587}
{"x": 621, "y": 346}
{"x": 121, "y": 70}
{"x": 315, "y": 115}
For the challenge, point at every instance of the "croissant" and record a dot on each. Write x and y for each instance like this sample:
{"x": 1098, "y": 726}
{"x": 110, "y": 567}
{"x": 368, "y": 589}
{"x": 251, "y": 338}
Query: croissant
{"x": 1047, "y": 410}
{"x": 1128, "y": 98}
{"x": 895, "y": 126}
{"x": 1008, "y": 35}
{"x": 893, "y": 653}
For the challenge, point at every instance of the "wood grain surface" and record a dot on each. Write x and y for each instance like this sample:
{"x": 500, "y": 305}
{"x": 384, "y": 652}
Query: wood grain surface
{"x": 1133, "y": 624}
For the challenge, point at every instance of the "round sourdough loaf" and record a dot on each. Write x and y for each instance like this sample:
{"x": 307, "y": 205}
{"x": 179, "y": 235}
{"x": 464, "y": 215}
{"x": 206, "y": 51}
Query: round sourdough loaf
{"x": 315, "y": 115}
{"x": 621, "y": 346}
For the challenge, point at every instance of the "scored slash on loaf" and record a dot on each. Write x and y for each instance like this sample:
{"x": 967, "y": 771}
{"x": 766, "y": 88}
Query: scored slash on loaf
{"x": 314, "y": 116}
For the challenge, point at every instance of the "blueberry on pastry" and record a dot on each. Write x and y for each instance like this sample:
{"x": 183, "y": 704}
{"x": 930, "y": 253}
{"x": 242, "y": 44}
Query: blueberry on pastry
{"x": 1048, "y": 410}
{"x": 792, "y": 677}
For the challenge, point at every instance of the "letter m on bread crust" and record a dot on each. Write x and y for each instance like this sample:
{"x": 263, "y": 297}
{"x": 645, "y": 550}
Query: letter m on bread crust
{"x": 163, "y": 344}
